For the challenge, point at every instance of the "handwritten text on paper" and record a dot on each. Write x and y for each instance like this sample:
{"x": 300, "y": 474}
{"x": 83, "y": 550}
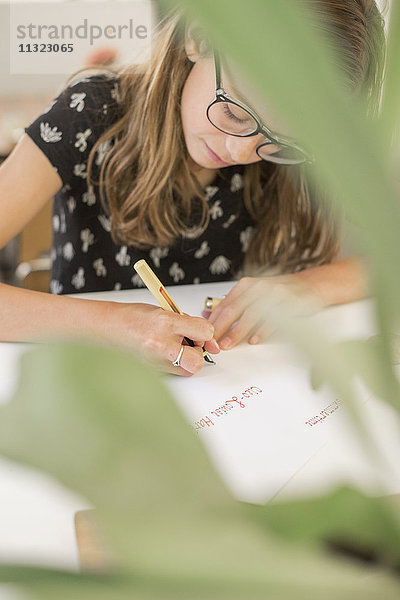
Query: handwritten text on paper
{"x": 229, "y": 405}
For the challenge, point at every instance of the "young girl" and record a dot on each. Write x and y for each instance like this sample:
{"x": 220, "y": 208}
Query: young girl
{"x": 152, "y": 162}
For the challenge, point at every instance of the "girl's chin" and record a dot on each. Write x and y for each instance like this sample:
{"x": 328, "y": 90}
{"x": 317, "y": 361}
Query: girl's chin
{"x": 200, "y": 162}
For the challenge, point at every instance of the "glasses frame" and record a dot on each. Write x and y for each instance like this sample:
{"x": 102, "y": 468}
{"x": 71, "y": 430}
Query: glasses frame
{"x": 222, "y": 96}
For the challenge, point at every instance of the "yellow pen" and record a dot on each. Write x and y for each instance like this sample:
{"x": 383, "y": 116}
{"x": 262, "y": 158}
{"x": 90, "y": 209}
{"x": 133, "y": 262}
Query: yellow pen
{"x": 159, "y": 292}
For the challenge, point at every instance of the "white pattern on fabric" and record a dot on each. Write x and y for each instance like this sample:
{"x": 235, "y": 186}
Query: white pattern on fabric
{"x": 89, "y": 197}
{"x": 176, "y": 272}
{"x": 56, "y": 223}
{"x": 48, "y": 134}
{"x": 78, "y": 280}
{"x": 156, "y": 254}
{"x": 63, "y": 224}
{"x": 80, "y": 170}
{"x": 210, "y": 191}
{"x": 105, "y": 222}
{"x": 236, "y": 182}
{"x": 81, "y": 139}
{"x": 122, "y": 257}
{"x": 115, "y": 94}
{"x": 100, "y": 268}
{"x": 216, "y": 210}
{"x": 68, "y": 251}
{"x": 87, "y": 239}
{"x": 220, "y": 265}
{"x": 56, "y": 287}
{"x": 82, "y": 80}
{"x": 71, "y": 203}
{"x": 245, "y": 238}
{"x": 117, "y": 286}
{"x": 137, "y": 281}
{"x": 78, "y": 101}
{"x": 102, "y": 150}
{"x": 229, "y": 222}
{"x": 203, "y": 250}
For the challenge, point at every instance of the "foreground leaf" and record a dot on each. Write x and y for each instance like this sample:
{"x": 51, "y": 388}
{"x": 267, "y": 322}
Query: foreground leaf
{"x": 173, "y": 530}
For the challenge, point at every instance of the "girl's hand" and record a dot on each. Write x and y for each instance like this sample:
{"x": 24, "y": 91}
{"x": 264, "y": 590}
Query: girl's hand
{"x": 237, "y": 317}
{"x": 159, "y": 335}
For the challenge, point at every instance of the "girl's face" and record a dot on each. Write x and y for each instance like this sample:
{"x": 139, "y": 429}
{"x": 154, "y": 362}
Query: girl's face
{"x": 207, "y": 146}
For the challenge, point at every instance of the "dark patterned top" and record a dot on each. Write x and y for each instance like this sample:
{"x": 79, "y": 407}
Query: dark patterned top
{"x": 84, "y": 256}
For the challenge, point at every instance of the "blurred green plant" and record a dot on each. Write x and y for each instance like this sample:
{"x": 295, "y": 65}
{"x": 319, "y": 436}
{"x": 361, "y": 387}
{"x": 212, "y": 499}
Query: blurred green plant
{"x": 357, "y": 158}
{"x": 171, "y": 527}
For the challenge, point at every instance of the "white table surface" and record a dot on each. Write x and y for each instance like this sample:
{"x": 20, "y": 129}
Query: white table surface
{"x": 36, "y": 520}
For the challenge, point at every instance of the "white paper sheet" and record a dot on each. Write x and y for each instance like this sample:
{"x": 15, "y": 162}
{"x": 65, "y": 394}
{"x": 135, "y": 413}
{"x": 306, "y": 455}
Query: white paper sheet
{"x": 258, "y": 416}
{"x": 286, "y": 440}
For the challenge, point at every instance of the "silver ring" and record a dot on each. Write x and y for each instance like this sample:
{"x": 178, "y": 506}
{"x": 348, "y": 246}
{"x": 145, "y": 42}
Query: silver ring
{"x": 176, "y": 362}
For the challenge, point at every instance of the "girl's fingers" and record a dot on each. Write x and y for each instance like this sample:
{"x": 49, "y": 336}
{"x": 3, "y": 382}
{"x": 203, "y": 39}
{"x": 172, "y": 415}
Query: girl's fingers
{"x": 228, "y": 315}
{"x": 195, "y": 328}
{"x": 190, "y": 362}
{"x": 168, "y": 368}
{"x": 191, "y": 359}
{"x": 231, "y": 308}
{"x": 167, "y": 339}
{"x": 241, "y": 330}
{"x": 220, "y": 309}
{"x": 261, "y": 334}
{"x": 211, "y": 346}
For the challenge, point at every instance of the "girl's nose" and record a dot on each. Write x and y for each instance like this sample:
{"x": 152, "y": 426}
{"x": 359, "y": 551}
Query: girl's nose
{"x": 243, "y": 149}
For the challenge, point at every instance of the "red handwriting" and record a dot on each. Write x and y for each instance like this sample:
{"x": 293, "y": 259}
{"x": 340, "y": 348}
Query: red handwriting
{"x": 326, "y": 412}
{"x": 229, "y": 405}
{"x": 204, "y": 422}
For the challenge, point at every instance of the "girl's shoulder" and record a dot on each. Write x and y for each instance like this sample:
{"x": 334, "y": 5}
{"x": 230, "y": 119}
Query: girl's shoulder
{"x": 92, "y": 91}
{"x": 69, "y": 127}
{"x": 94, "y": 98}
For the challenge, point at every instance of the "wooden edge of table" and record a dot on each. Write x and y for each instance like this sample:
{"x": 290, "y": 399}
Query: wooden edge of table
{"x": 93, "y": 555}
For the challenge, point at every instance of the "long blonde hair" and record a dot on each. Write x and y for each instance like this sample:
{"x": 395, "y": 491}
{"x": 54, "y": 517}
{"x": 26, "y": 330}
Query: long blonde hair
{"x": 146, "y": 184}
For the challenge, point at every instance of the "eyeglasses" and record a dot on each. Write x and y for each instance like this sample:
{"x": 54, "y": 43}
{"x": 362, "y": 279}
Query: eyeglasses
{"x": 234, "y": 118}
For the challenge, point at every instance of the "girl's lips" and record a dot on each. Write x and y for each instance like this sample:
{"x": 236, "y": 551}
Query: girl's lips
{"x": 216, "y": 158}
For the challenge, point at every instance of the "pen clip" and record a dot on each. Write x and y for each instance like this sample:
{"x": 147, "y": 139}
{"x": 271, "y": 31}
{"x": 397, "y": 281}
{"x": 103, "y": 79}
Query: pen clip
{"x": 168, "y": 299}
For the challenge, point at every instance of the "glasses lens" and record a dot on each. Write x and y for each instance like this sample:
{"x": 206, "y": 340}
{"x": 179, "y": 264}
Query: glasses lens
{"x": 281, "y": 155}
{"x": 231, "y": 118}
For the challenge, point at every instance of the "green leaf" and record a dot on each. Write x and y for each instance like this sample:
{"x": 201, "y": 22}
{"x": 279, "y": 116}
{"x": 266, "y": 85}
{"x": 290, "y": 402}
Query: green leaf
{"x": 368, "y": 526}
{"x": 289, "y": 63}
{"x": 173, "y": 530}
{"x": 364, "y": 360}
{"x": 115, "y": 434}
{"x": 391, "y": 91}
{"x": 87, "y": 415}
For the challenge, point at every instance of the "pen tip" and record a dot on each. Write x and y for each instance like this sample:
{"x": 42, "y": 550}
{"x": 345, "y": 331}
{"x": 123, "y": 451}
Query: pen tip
{"x": 208, "y": 358}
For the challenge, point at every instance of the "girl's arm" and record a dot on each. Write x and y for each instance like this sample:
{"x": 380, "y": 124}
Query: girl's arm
{"x": 27, "y": 182}
{"x": 339, "y": 282}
